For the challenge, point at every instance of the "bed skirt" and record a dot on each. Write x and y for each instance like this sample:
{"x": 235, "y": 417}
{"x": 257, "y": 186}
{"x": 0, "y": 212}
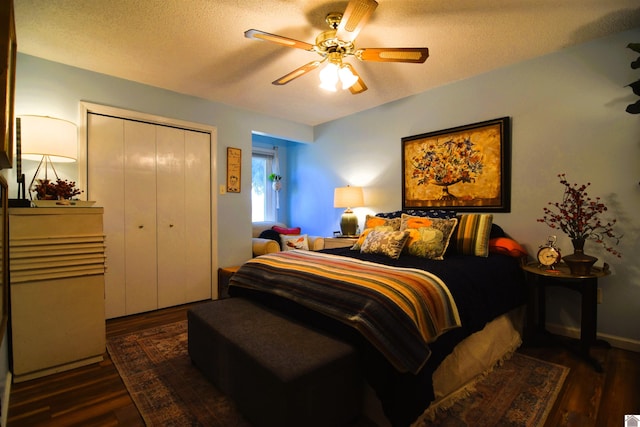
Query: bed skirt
{"x": 470, "y": 361}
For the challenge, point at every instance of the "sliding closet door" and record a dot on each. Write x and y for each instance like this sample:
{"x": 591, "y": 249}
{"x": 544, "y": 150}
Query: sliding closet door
{"x": 140, "y": 225}
{"x": 171, "y": 216}
{"x": 105, "y": 184}
{"x": 198, "y": 219}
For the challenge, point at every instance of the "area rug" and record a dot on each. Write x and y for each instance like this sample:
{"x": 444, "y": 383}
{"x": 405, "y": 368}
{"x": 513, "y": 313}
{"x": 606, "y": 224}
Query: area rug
{"x": 169, "y": 391}
{"x": 520, "y": 392}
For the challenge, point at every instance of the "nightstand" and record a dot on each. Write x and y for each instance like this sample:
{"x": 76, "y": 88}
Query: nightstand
{"x": 339, "y": 242}
{"x": 224, "y": 275}
{"x": 539, "y": 278}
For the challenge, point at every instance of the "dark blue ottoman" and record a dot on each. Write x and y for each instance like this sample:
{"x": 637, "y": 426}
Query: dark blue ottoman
{"x": 277, "y": 371}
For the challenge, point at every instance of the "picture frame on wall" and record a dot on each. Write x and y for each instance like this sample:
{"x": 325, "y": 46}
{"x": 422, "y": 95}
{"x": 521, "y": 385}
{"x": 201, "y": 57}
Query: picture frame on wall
{"x": 465, "y": 168}
{"x": 8, "y": 49}
{"x": 234, "y": 169}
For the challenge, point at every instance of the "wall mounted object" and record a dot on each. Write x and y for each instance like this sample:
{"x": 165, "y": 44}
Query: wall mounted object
{"x": 8, "y": 48}
{"x": 466, "y": 168}
{"x": 234, "y": 169}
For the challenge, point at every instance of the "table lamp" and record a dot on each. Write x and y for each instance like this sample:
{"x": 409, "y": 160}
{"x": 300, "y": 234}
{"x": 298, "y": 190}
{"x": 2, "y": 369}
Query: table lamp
{"x": 47, "y": 140}
{"x": 348, "y": 197}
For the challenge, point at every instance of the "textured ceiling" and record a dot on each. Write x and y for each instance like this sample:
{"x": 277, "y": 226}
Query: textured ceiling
{"x": 197, "y": 47}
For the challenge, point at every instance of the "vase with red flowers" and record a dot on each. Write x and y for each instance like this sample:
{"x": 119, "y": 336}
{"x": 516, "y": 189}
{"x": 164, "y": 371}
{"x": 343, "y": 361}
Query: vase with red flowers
{"x": 580, "y": 217}
{"x": 61, "y": 189}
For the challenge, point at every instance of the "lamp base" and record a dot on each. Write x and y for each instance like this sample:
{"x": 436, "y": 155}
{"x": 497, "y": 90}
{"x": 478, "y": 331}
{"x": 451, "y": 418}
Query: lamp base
{"x": 349, "y": 223}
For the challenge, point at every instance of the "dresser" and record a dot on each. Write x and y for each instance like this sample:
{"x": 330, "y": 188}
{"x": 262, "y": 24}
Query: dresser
{"x": 57, "y": 264}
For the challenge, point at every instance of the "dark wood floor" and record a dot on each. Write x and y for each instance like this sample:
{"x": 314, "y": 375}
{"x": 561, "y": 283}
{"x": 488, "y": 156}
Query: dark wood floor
{"x": 95, "y": 395}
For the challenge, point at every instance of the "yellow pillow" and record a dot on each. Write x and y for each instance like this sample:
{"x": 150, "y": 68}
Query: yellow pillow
{"x": 428, "y": 237}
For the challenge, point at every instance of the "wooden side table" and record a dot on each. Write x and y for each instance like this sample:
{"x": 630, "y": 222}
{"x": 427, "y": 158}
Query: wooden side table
{"x": 339, "y": 242}
{"x": 224, "y": 275}
{"x": 539, "y": 278}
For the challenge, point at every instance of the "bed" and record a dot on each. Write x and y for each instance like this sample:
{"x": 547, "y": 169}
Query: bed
{"x": 470, "y": 285}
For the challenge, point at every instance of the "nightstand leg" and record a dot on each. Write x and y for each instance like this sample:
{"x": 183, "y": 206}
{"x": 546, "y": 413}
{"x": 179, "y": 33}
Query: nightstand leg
{"x": 589, "y": 322}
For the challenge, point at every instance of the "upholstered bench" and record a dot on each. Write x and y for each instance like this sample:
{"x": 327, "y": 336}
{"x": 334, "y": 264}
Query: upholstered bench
{"x": 277, "y": 371}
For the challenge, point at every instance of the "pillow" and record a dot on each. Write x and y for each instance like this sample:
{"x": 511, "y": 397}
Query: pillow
{"x": 271, "y": 235}
{"x": 431, "y": 213}
{"x": 507, "y": 246}
{"x": 284, "y": 230}
{"x": 389, "y": 243}
{"x": 290, "y": 242}
{"x": 497, "y": 231}
{"x": 376, "y": 223}
{"x": 428, "y": 237}
{"x": 473, "y": 234}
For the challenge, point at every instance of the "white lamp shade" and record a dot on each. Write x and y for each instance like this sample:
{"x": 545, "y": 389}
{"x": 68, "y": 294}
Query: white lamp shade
{"x": 348, "y": 197}
{"x": 46, "y": 136}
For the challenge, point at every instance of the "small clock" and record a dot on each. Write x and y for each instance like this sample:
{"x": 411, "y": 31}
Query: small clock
{"x": 549, "y": 254}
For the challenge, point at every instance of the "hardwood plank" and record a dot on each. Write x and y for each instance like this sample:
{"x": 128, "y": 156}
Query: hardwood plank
{"x": 95, "y": 395}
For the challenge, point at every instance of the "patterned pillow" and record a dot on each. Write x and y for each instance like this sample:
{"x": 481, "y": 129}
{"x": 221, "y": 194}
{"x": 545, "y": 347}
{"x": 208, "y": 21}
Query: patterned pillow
{"x": 431, "y": 213}
{"x": 428, "y": 237}
{"x": 472, "y": 236}
{"x": 389, "y": 243}
{"x": 376, "y": 223}
{"x": 291, "y": 242}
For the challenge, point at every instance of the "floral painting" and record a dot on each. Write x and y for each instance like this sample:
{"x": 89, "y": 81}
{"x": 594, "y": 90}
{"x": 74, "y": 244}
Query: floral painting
{"x": 462, "y": 168}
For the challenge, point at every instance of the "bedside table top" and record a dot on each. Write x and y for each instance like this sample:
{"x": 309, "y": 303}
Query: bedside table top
{"x": 562, "y": 271}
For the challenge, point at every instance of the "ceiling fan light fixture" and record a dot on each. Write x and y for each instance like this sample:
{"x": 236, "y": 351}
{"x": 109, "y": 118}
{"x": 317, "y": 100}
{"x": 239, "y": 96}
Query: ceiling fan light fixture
{"x": 346, "y": 77}
{"x": 329, "y": 77}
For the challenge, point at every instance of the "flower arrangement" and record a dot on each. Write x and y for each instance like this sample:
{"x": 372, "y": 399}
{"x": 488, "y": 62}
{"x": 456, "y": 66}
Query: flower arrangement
{"x": 61, "y": 189}
{"x": 274, "y": 177}
{"x": 578, "y": 215}
{"x": 447, "y": 162}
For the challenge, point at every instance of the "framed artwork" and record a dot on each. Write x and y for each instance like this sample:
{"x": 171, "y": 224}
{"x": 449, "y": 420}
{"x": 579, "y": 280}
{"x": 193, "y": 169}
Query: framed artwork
{"x": 7, "y": 86}
{"x": 466, "y": 168}
{"x": 4, "y": 253}
{"x": 234, "y": 169}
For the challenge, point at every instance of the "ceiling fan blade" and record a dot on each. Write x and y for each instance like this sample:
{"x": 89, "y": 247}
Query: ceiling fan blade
{"x": 415, "y": 55}
{"x": 273, "y": 38}
{"x": 354, "y": 18}
{"x": 298, "y": 72}
{"x": 359, "y": 86}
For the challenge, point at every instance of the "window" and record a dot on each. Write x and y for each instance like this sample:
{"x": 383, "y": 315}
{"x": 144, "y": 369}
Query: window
{"x": 263, "y": 198}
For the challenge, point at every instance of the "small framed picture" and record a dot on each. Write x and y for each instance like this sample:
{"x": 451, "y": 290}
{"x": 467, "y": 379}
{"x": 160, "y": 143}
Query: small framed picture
{"x": 234, "y": 169}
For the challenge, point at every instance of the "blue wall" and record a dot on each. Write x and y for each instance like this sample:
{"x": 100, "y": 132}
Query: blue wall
{"x": 568, "y": 116}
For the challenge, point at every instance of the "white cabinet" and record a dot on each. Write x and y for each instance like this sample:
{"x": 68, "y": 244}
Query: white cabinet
{"x": 57, "y": 289}
{"x": 154, "y": 183}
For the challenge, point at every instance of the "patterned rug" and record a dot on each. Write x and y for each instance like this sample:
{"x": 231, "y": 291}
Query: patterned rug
{"x": 520, "y": 392}
{"x": 169, "y": 390}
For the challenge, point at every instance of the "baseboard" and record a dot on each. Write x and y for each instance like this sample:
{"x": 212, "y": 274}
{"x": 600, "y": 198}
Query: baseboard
{"x": 615, "y": 341}
{"x": 5, "y": 401}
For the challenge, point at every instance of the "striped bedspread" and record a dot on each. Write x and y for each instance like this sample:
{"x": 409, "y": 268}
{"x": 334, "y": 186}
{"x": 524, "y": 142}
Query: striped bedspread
{"x": 399, "y": 310}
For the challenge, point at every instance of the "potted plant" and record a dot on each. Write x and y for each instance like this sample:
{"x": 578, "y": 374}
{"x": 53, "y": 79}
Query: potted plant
{"x": 275, "y": 179}
{"x": 580, "y": 217}
{"x": 61, "y": 189}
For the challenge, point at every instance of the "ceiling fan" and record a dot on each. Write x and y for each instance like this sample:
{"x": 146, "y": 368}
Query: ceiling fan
{"x": 337, "y": 44}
